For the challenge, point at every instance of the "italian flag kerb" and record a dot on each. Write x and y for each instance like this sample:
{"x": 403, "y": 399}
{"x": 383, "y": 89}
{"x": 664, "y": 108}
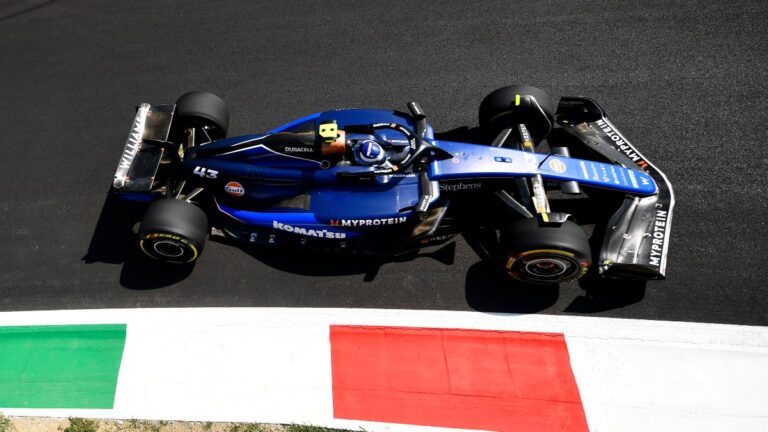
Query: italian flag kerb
{"x": 490, "y": 380}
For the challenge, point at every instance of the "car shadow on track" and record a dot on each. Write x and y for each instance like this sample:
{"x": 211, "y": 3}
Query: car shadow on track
{"x": 488, "y": 289}
{"x": 602, "y": 294}
{"x": 114, "y": 242}
{"x": 309, "y": 263}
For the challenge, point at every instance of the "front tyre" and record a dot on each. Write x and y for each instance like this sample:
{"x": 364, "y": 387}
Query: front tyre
{"x": 173, "y": 231}
{"x": 540, "y": 253}
{"x": 513, "y": 105}
{"x": 202, "y": 110}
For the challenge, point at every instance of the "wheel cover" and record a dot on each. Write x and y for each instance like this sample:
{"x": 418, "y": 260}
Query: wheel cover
{"x": 545, "y": 266}
{"x": 168, "y": 248}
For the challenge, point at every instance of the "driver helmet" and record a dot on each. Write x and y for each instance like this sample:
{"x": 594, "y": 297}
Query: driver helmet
{"x": 369, "y": 152}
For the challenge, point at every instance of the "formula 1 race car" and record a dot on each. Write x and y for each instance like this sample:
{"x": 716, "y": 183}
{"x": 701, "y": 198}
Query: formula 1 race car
{"x": 371, "y": 181}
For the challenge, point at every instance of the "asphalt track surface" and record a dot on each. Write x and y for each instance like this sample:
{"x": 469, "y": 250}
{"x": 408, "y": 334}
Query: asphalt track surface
{"x": 684, "y": 80}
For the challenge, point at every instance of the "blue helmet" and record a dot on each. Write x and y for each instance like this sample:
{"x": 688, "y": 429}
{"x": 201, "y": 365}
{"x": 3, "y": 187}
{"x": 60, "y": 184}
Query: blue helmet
{"x": 369, "y": 152}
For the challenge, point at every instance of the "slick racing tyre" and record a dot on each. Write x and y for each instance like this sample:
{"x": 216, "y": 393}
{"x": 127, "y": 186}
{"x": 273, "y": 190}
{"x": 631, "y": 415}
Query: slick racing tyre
{"x": 204, "y": 110}
{"x": 173, "y": 231}
{"x": 545, "y": 254}
{"x": 513, "y": 105}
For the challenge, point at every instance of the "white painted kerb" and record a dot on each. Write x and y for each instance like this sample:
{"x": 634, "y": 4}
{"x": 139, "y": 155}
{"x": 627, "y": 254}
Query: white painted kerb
{"x": 273, "y": 365}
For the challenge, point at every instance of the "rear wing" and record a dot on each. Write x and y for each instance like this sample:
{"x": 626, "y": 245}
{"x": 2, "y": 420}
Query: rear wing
{"x": 140, "y": 161}
{"x": 637, "y": 236}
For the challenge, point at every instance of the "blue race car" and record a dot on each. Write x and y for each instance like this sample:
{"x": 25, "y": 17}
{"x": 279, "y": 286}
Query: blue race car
{"x": 384, "y": 182}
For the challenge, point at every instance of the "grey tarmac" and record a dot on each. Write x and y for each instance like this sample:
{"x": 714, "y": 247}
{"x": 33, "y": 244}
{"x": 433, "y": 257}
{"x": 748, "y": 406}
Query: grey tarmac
{"x": 685, "y": 81}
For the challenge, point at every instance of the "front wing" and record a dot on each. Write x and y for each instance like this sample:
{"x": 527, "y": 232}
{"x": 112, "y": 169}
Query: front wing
{"x": 637, "y": 236}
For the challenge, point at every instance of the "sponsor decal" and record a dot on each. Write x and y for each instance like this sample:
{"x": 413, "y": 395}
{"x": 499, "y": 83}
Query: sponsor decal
{"x": 604, "y": 171}
{"x": 166, "y": 235}
{"x": 633, "y": 179}
{"x": 622, "y": 145}
{"x": 129, "y": 153}
{"x": 299, "y": 149}
{"x": 527, "y": 141}
{"x": 659, "y": 231}
{"x": 503, "y": 159}
{"x": 600, "y": 172}
{"x": 584, "y": 169}
{"x": 133, "y": 144}
{"x": 595, "y": 175}
{"x": 438, "y": 238}
{"x": 453, "y": 187}
{"x": 368, "y": 222}
{"x": 623, "y": 177}
{"x": 397, "y": 141}
{"x": 319, "y": 233}
{"x": 615, "y": 176}
{"x": 234, "y": 188}
{"x": 424, "y": 202}
{"x": 557, "y": 165}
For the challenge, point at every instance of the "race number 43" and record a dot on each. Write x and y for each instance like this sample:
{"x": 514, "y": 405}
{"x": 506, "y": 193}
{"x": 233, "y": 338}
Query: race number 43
{"x": 205, "y": 172}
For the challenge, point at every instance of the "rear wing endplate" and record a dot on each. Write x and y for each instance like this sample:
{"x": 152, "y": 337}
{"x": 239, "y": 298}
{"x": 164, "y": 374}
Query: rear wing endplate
{"x": 139, "y": 161}
{"x": 637, "y": 236}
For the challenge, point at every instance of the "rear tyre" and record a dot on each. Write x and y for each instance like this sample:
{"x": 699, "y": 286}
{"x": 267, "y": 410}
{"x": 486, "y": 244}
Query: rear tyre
{"x": 545, "y": 254}
{"x": 203, "y": 110}
{"x": 173, "y": 231}
{"x": 513, "y": 105}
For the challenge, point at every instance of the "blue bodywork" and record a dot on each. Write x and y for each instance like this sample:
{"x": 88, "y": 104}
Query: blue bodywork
{"x": 266, "y": 196}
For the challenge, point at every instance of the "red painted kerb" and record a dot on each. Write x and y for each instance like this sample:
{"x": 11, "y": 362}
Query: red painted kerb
{"x": 471, "y": 379}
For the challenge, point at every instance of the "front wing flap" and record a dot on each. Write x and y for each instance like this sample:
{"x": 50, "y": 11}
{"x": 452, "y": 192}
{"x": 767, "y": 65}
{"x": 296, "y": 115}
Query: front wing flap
{"x": 637, "y": 236}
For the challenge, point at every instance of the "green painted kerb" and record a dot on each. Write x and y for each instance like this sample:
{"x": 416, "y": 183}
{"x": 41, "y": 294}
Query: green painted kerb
{"x": 60, "y": 366}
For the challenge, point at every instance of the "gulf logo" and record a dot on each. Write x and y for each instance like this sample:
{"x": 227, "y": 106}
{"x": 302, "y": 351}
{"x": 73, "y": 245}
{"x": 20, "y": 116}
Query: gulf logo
{"x": 235, "y": 189}
{"x": 557, "y": 165}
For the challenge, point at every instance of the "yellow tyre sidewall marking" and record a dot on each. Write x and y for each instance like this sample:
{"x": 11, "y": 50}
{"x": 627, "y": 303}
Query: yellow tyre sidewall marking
{"x": 180, "y": 239}
{"x": 511, "y": 260}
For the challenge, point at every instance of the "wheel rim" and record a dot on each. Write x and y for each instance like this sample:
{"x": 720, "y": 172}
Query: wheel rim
{"x": 168, "y": 248}
{"x": 549, "y": 267}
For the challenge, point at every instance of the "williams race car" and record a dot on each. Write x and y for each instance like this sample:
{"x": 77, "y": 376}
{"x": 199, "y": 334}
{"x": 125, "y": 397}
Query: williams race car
{"x": 369, "y": 181}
